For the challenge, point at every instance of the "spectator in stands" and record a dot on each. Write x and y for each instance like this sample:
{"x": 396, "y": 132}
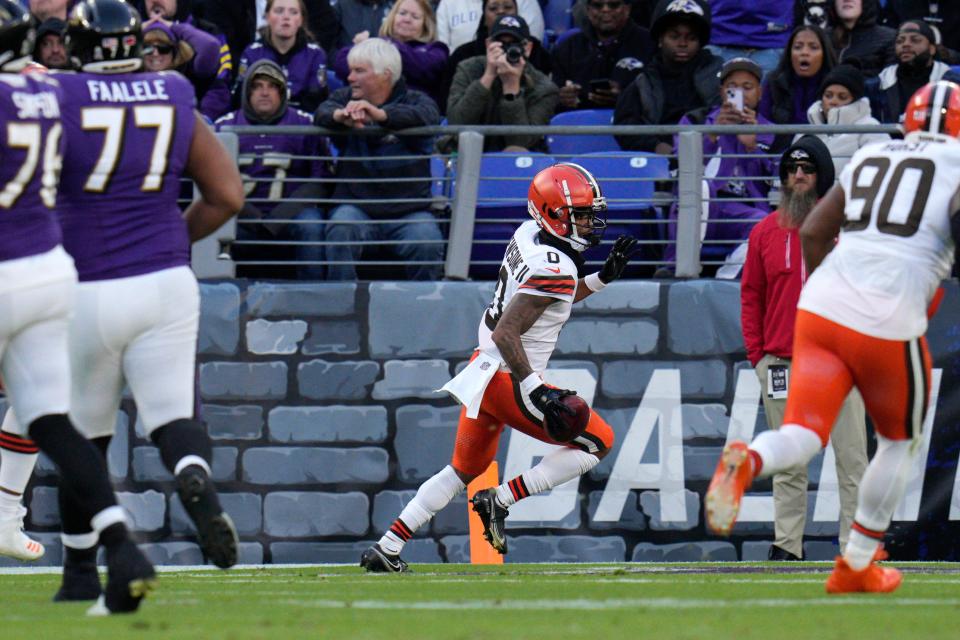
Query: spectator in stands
{"x": 490, "y": 11}
{"x": 287, "y": 41}
{"x": 641, "y": 12}
{"x": 593, "y": 66}
{"x": 378, "y": 95}
{"x": 356, "y": 17}
{"x": 681, "y": 77}
{"x": 943, "y": 18}
{"x": 843, "y": 103}
{"x": 915, "y": 47}
{"x": 811, "y": 12}
{"x": 751, "y": 29}
{"x": 242, "y": 20}
{"x": 772, "y": 278}
{"x": 790, "y": 89}
{"x": 163, "y": 50}
{"x": 456, "y": 20}
{"x": 858, "y": 38}
{"x": 50, "y": 50}
{"x": 211, "y": 70}
{"x": 733, "y": 163}
{"x": 43, "y": 10}
{"x": 271, "y": 165}
{"x": 501, "y": 88}
{"x": 412, "y": 27}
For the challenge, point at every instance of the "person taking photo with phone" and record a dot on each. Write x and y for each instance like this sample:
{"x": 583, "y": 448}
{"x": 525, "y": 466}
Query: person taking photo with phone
{"x": 502, "y": 88}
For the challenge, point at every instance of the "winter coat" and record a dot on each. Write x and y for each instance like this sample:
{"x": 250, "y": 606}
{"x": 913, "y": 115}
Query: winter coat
{"x": 304, "y": 65}
{"x": 892, "y": 103}
{"x": 843, "y": 145}
{"x": 472, "y": 103}
{"x": 869, "y": 43}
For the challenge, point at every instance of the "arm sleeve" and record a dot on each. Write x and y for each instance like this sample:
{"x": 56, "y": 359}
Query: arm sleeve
{"x": 468, "y": 99}
{"x": 534, "y": 108}
{"x": 419, "y": 110}
{"x": 752, "y": 294}
{"x": 206, "y": 59}
{"x": 423, "y": 66}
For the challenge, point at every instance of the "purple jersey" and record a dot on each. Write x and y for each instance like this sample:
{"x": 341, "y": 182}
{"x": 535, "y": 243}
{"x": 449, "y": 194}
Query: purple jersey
{"x": 31, "y": 145}
{"x": 271, "y": 164}
{"x": 128, "y": 138}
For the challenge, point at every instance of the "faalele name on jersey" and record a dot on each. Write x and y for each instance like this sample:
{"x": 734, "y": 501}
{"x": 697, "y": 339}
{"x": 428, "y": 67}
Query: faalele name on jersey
{"x": 518, "y": 269}
{"x": 127, "y": 91}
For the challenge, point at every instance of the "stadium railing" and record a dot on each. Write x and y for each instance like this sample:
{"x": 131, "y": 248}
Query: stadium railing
{"x": 460, "y": 188}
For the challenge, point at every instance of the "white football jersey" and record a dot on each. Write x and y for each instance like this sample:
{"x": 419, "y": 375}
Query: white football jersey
{"x": 896, "y": 243}
{"x": 532, "y": 268}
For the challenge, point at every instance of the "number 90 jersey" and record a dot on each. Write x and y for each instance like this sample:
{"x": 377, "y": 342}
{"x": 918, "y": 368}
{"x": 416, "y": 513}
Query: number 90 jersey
{"x": 896, "y": 245}
{"x": 532, "y": 268}
{"x": 128, "y": 140}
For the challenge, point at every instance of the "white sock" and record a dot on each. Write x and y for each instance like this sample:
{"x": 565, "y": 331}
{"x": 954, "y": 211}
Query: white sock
{"x": 789, "y": 446}
{"x": 555, "y": 468}
{"x": 432, "y": 496}
{"x": 881, "y": 490}
{"x": 16, "y": 465}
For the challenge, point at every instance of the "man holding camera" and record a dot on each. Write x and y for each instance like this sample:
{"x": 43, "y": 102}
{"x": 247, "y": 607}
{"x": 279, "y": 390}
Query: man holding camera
{"x": 501, "y": 88}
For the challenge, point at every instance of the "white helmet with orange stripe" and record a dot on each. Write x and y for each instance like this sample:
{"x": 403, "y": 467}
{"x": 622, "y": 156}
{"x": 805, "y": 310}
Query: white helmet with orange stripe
{"x": 566, "y": 202}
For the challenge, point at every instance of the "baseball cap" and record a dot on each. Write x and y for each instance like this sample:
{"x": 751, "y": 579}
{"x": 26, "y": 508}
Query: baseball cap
{"x": 740, "y": 64}
{"x": 510, "y": 25}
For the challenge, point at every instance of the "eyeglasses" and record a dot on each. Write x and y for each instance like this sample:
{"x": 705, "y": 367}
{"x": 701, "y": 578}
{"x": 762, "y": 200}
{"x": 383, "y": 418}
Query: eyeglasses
{"x": 613, "y": 5}
{"x": 808, "y": 167}
{"x": 163, "y": 49}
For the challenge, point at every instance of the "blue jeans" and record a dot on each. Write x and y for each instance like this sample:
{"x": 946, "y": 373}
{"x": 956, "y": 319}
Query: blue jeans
{"x": 294, "y": 232}
{"x": 415, "y": 227}
{"x": 768, "y": 59}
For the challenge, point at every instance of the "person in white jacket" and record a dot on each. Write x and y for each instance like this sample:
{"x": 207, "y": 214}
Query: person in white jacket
{"x": 842, "y": 103}
{"x": 457, "y": 20}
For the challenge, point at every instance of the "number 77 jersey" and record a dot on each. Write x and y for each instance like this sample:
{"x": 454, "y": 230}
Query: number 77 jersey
{"x": 127, "y": 142}
{"x": 896, "y": 243}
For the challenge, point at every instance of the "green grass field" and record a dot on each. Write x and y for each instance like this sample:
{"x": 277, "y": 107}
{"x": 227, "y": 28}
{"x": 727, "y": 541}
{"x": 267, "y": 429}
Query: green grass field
{"x": 559, "y": 602}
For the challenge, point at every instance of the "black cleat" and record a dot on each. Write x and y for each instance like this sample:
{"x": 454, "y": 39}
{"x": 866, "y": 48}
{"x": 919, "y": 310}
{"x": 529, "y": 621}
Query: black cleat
{"x": 215, "y": 530}
{"x": 376, "y": 560}
{"x": 493, "y": 515}
{"x": 130, "y": 577}
{"x": 80, "y": 582}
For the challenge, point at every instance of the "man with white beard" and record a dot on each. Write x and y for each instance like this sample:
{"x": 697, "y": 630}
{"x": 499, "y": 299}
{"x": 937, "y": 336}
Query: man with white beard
{"x": 773, "y": 275}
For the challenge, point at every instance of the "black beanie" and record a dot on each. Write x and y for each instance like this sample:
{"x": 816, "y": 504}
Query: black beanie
{"x": 847, "y": 76}
{"x": 810, "y": 149}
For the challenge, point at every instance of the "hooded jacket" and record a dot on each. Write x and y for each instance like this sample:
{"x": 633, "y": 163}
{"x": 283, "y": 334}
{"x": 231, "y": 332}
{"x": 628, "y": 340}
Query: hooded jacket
{"x": 583, "y": 57}
{"x": 868, "y": 45}
{"x": 405, "y": 108}
{"x": 642, "y": 101}
{"x": 304, "y": 65}
{"x": 892, "y": 103}
{"x": 843, "y": 145}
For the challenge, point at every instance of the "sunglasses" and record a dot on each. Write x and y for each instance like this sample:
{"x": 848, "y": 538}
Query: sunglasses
{"x": 163, "y": 49}
{"x": 612, "y": 5}
{"x": 808, "y": 167}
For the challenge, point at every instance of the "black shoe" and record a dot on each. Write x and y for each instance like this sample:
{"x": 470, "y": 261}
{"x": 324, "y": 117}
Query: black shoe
{"x": 376, "y": 560}
{"x": 215, "y": 530}
{"x": 492, "y": 514}
{"x": 80, "y": 582}
{"x": 776, "y": 553}
{"x": 130, "y": 577}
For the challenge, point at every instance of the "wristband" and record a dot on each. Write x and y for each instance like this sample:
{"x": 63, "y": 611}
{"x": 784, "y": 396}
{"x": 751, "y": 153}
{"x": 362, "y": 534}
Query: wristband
{"x": 594, "y": 283}
{"x": 531, "y": 382}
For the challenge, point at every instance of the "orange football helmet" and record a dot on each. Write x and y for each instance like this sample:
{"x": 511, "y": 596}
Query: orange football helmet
{"x": 934, "y": 108}
{"x": 560, "y": 197}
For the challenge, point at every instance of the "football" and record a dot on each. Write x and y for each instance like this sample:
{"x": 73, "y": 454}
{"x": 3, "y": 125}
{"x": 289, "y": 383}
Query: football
{"x": 571, "y": 425}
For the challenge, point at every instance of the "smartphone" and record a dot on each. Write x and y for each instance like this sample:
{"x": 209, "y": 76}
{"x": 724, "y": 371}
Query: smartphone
{"x": 600, "y": 85}
{"x": 735, "y": 97}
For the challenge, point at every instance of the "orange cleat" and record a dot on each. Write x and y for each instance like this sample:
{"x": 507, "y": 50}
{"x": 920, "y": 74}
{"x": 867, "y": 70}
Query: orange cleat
{"x": 873, "y": 579}
{"x": 730, "y": 481}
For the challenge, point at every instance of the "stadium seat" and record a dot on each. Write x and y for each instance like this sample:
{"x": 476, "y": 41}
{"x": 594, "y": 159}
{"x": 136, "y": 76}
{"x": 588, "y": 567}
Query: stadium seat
{"x": 628, "y": 181}
{"x": 574, "y": 145}
{"x": 333, "y": 81}
{"x": 502, "y": 203}
{"x": 557, "y": 18}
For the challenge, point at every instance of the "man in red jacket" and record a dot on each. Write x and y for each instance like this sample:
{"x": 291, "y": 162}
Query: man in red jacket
{"x": 772, "y": 278}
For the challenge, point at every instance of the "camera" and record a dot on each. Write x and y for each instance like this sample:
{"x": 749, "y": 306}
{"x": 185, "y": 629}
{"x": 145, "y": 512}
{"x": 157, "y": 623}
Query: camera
{"x": 513, "y": 52}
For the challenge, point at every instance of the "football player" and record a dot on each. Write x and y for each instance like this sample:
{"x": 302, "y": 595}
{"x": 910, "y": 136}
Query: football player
{"x": 503, "y": 384}
{"x": 37, "y": 285}
{"x": 129, "y": 138}
{"x": 861, "y": 321}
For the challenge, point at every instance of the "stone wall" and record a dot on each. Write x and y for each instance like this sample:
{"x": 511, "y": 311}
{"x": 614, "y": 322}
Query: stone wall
{"x": 321, "y": 403}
